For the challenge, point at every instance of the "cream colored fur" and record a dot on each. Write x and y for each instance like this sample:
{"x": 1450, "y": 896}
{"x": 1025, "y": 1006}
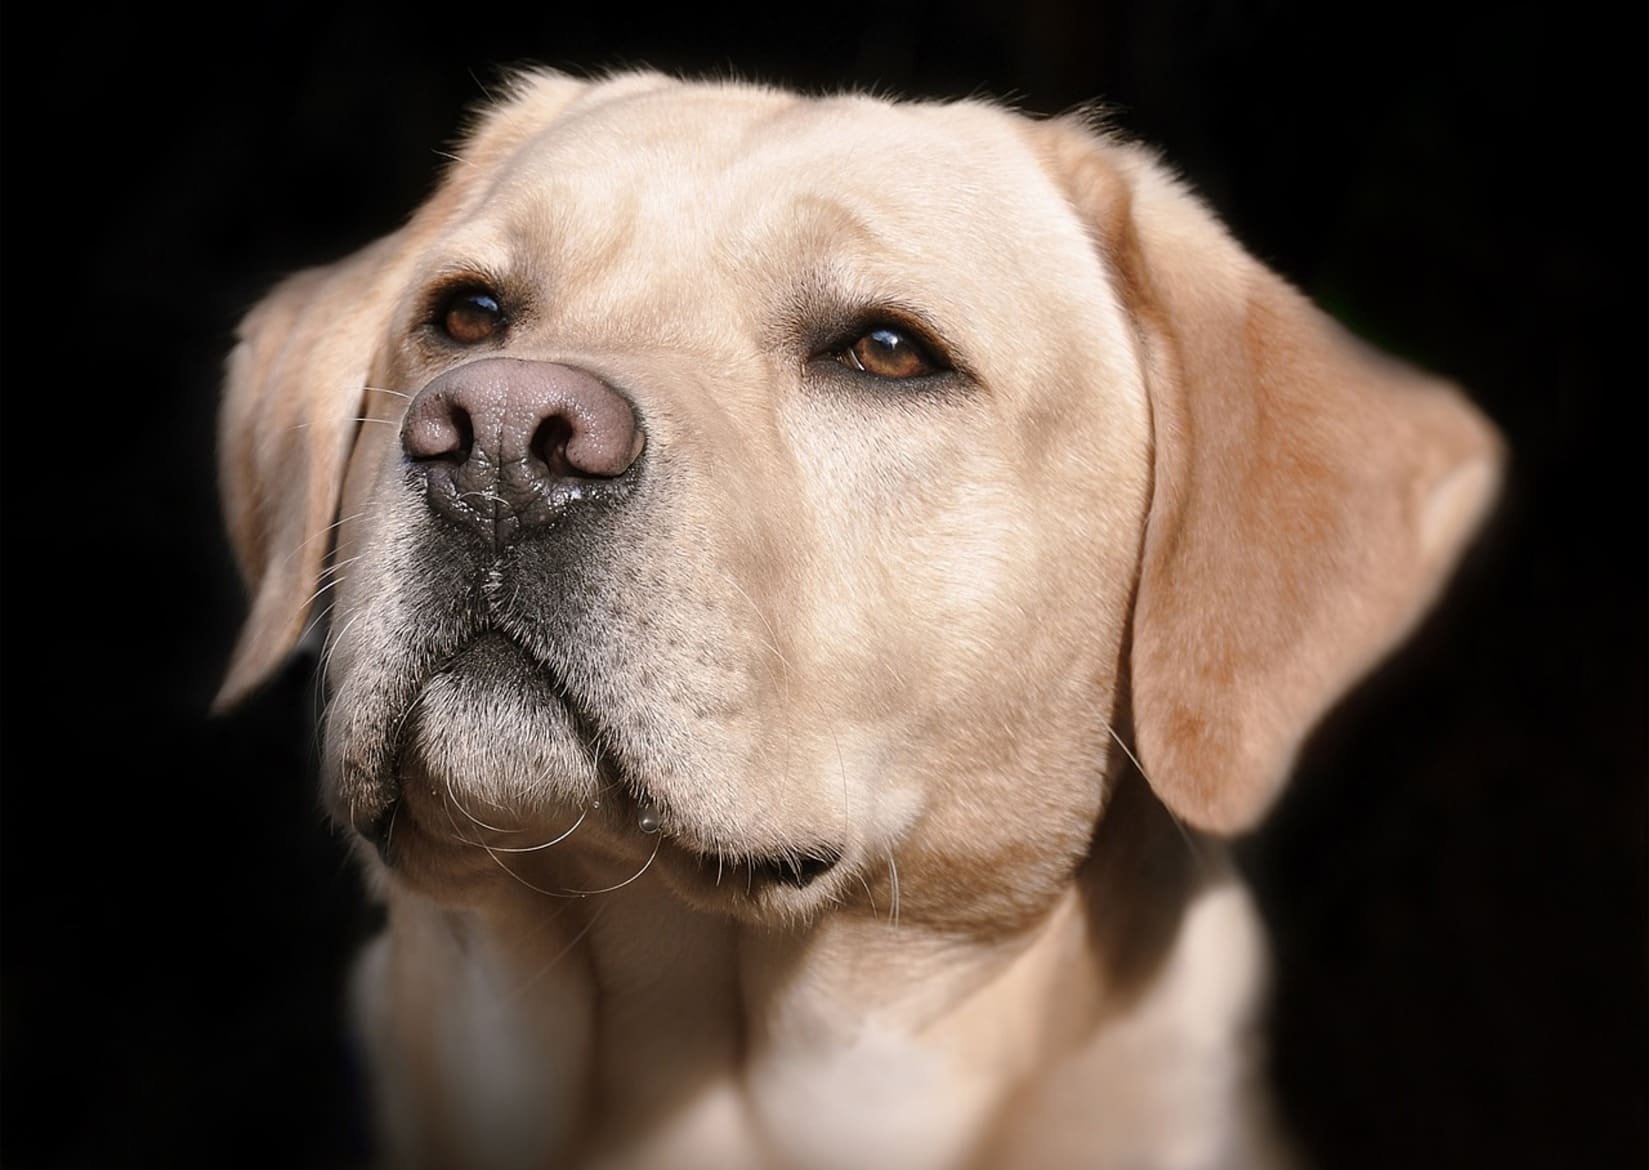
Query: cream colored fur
{"x": 1163, "y": 501}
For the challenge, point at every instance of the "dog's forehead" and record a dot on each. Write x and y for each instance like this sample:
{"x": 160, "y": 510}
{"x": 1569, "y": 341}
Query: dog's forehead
{"x": 724, "y": 200}
{"x": 732, "y": 148}
{"x": 747, "y": 178}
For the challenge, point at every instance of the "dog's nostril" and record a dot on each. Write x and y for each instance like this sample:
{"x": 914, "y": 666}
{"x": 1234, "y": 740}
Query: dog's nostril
{"x": 549, "y": 444}
{"x": 439, "y": 434}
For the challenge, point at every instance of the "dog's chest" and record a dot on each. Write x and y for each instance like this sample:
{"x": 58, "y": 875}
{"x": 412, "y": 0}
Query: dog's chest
{"x": 692, "y": 1052}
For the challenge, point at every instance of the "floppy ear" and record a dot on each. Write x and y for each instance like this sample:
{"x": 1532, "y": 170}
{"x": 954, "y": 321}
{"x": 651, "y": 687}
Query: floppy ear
{"x": 297, "y": 381}
{"x": 1309, "y": 495}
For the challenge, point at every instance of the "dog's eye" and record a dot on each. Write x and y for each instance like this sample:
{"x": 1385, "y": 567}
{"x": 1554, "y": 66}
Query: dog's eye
{"x": 887, "y": 351}
{"x": 470, "y": 316}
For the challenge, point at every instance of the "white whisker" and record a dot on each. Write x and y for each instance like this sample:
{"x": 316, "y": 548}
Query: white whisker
{"x": 1185, "y": 834}
{"x": 545, "y": 845}
{"x": 314, "y": 536}
{"x": 499, "y": 862}
{"x": 447, "y": 154}
{"x": 869, "y": 897}
{"x": 646, "y": 865}
{"x": 771, "y": 642}
{"x": 334, "y": 637}
{"x": 389, "y": 833}
{"x": 471, "y": 817}
{"x": 561, "y": 954}
{"x": 320, "y": 617}
{"x": 315, "y": 596}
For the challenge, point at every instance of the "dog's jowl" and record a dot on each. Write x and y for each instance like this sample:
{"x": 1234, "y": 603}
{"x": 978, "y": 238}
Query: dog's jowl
{"x": 812, "y": 583}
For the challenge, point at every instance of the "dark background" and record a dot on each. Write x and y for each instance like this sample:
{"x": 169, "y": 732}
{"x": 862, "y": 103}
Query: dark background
{"x": 1455, "y": 882}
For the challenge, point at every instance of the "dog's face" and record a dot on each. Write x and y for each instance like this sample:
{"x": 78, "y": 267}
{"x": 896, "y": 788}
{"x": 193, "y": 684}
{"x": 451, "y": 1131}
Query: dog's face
{"x": 779, "y": 494}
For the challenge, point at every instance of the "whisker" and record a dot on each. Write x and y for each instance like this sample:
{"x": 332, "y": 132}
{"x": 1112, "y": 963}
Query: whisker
{"x": 456, "y": 803}
{"x": 562, "y": 953}
{"x": 499, "y": 862}
{"x": 323, "y": 701}
{"x": 769, "y": 644}
{"x": 1185, "y": 834}
{"x": 334, "y": 566}
{"x": 335, "y": 637}
{"x": 447, "y": 154}
{"x": 315, "y": 622}
{"x": 332, "y": 570}
{"x": 387, "y": 390}
{"x": 841, "y": 770}
{"x": 545, "y": 845}
{"x": 658, "y": 840}
{"x": 496, "y": 860}
{"x": 314, "y": 536}
{"x": 475, "y": 820}
{"x": 389, "y": 833}
{"x": 869, "y": 897}
{"x": 401, "y": 723}
{"x": 313, "y": 597}
{"x": 893, "y": 871}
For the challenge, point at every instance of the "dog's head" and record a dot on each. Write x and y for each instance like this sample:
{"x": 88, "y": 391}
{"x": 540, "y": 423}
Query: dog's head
{"x": 785, "y": 492}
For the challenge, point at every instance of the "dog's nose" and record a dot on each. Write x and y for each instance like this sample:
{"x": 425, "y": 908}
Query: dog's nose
{"x": 506, "y": 446}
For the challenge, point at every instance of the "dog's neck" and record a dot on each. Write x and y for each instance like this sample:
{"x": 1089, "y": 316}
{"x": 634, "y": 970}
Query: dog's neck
{"x": 680, "y": 1038}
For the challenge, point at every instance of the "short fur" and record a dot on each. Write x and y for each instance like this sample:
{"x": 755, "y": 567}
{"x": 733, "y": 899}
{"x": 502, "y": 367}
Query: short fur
{"x": 1163, "y": 501}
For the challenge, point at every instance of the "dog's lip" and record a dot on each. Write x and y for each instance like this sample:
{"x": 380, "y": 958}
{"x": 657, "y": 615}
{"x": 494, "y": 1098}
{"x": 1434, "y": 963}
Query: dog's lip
{"x": 798, "y": 868}
{"x": 795, "y": 866}
{"x": 737, "y": 869}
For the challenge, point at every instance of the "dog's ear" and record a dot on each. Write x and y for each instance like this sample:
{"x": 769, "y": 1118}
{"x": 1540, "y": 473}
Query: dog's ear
{"x": 1309, "y": 495}
{"x": 296, "y": 381}
{"x": 296, "y": 385}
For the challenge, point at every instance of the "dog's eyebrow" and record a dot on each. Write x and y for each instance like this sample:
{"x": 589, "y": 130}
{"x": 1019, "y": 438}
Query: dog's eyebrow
{"x": 453, "y": 271}
{"x": 815, "y": 212}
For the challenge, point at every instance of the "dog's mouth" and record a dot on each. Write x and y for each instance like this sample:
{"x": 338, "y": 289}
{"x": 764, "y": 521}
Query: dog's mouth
{"x": 732, "y": 871}
{"x": 710, "y": 868}
{"x": 619, "y": 819}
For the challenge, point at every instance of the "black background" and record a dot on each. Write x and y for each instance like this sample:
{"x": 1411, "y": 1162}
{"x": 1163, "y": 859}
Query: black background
{"x": 1456, "y": 880}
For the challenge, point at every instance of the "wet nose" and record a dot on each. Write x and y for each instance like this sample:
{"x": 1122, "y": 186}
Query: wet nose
{"x": 507, "y": 446}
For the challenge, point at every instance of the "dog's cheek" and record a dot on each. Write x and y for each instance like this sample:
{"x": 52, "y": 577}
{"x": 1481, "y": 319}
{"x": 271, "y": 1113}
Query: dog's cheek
{"x": 971, "y": 622}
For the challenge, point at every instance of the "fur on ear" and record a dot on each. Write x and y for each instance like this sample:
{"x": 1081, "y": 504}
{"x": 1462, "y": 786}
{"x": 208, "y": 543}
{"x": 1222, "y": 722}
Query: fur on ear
{"x": 1310, "y": 496}
{"x": 297, "y": 380}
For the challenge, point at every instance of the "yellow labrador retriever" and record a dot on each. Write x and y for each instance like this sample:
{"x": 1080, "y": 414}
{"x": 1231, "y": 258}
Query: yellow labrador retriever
{"x": 761, "y": 533}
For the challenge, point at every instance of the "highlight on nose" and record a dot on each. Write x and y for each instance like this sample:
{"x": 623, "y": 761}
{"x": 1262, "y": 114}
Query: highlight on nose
{"x": 504, "y": 445}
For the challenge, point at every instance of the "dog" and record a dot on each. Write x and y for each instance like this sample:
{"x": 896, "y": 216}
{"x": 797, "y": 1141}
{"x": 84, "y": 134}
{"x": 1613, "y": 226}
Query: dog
{"x": 812, "y": 582}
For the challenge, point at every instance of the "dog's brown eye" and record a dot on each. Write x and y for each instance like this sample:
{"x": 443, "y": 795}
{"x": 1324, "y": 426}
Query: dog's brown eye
{"x": 470, "y": 316}
{"x": 888, "y": 352}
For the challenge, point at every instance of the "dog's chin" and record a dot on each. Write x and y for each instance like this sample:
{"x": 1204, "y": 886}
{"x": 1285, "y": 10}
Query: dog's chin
{"x": 494, "y": 732}
{"x": 505, "y": 784}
